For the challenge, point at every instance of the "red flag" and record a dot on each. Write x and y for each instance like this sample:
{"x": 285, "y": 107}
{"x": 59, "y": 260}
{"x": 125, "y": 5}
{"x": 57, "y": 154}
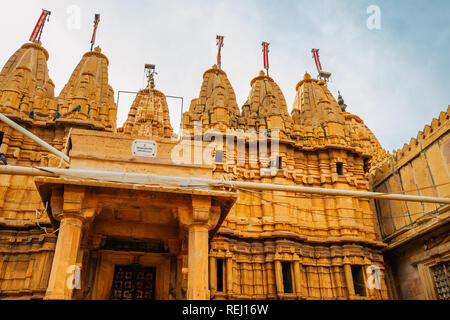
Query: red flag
{"x": 316, "y": 59}
{"x": 266, "y": 55}
{"x": 39, "y": 25}
{"x": 96, "y": 21}
{"x": 220, "y": 44}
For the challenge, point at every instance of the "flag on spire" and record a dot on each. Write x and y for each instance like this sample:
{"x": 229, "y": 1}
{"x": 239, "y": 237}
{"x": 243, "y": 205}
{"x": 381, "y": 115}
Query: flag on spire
{"x": 219, "y": 43}
{"x": 265, "y": 46}
{"x": 37, "y": 31}
{"x": 96, "y": 21}
{"x": 322, "y": 74}
{"x": 315, "y": 53}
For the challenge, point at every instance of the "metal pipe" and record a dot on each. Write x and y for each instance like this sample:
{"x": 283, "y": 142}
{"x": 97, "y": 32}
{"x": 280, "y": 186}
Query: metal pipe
{"x": 33, "y": 137}
{"x": 25, "y": 171}
{"x": 153, "y": 179}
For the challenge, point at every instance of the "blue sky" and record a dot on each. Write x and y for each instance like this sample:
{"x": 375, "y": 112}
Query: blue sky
{"x": 395, "y": 78}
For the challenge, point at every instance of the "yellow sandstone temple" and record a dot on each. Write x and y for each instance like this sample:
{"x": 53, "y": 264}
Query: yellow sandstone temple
{"x": 84, "y": 237}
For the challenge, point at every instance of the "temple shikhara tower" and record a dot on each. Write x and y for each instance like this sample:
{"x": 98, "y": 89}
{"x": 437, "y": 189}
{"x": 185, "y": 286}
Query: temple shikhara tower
{"x": 112, "y": 214}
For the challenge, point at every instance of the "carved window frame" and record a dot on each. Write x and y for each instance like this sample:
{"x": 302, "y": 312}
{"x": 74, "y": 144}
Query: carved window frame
{"x": 425, "y": 261}
{"x": 109, "y": 259}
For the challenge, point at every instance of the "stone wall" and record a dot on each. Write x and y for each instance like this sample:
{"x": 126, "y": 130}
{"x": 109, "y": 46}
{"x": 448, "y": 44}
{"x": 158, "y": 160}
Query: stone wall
{"x": 419, "y": 168}
{"x": 416, "y": 233}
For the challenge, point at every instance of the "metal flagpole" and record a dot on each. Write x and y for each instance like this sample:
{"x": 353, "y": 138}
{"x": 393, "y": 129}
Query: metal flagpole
{"x": 96, "y": 22}
{"x": 219, "y": 43}
{"x": 37, "y": 31}
{"x": 266, "y": 56}
{"x": 47, "y": 16}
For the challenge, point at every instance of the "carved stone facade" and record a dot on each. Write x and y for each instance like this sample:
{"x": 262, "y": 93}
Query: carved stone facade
{"x": 318, "y": 238}
{"x": 27, "y": 97}
{"x": 199, "y": 244}
{"x": 148, "y": 116}
{"x": 216, "y": 106}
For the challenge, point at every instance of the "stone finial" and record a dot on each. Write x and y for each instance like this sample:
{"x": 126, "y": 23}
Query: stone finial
{"x": 341, "y": 102}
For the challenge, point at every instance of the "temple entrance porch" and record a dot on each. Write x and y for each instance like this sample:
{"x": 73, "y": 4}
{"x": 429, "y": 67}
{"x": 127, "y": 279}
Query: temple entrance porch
{"x": 128, "y": 241}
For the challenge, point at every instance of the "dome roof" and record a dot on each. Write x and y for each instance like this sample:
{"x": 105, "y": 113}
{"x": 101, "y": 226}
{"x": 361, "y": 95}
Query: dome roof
{"x": 319, "y": 121}
{"x": 87, "y": 96}
{"x": 27, "y": 72}
{"x": 149, "y": 115}
{"x": 25, "y": 86}
{"x": 265, "y": 107}
{"x": 317, "y": 115}
{"x": 216, "y": 106}
{"x": 93, "y": 64}
{"x": 315, "y": 103}
{"x": 364, "y": 139}
{"x": 24, "y": 81}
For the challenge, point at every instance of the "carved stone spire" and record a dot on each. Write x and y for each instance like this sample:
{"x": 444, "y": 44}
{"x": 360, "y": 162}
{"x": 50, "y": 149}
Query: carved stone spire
{"x": 216, "y": 105}
{"x": 24, "y": 81}
{"x": 265, "y": 108}
{"x": 88, "y": 97}
{"x": 149, "y": 115}
{"x": 321, "y": 121}
{"x": 316, "y": 113}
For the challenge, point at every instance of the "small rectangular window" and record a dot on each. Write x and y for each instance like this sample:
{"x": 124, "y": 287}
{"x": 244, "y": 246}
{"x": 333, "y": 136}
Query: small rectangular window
{"x": 219, "y": 275}
{"x": 219, "y": 156}
{"x": 340, "y": 168}
{"x": 287, "y": 276}
{"x": 366, "y": 165}
{"x": 279, "y": 162}
{"x": 358, "y": 280}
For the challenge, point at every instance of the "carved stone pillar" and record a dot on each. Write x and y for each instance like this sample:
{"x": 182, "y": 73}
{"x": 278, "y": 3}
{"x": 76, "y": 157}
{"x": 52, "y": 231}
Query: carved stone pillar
{"x": 213, "y": 275}
{"x": 67, "y": 206}
{"x": 64, "y": 260}
{"x": 279, "y": 277}
{"x": 230, "y": 276}
{"x": 365, "y": 266}
{"x": 198, "y": 220}
{"x": 198, "y": 263}
{"x": 297, "y": 276}
{"x": 349, "y": 278}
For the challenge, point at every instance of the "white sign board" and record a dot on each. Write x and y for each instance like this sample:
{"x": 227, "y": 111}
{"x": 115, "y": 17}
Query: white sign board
{"x": 144, "y": 148}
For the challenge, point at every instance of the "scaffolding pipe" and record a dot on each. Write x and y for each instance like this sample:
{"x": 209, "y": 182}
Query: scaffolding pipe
{"x": 33, "y": 137}
{"x": 153, "y": 179}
